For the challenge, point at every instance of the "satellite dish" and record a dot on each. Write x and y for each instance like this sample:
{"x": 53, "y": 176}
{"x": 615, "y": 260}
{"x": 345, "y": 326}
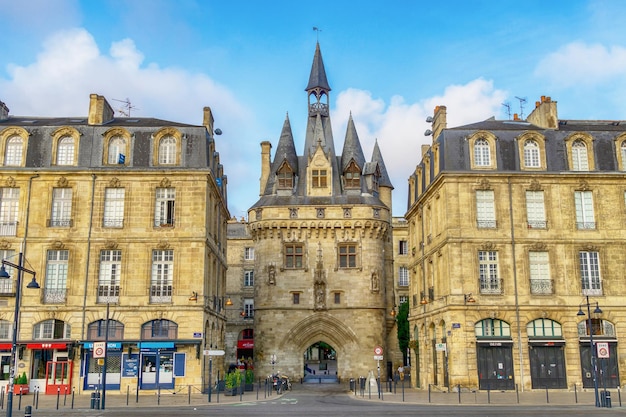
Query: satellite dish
{"x": 218, "y": 132}
{"x": 428, "y": 132}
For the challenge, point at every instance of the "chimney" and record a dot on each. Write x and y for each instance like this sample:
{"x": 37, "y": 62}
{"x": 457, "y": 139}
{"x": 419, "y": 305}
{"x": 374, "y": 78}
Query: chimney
{"x": 208, "y": 120}
{"x": 4, "y": 111}
{"x": 100, "y": 111}
{"x": 266, "y": 147}
{"x": 440, "y": 121}
{"x": 545, "y": 114}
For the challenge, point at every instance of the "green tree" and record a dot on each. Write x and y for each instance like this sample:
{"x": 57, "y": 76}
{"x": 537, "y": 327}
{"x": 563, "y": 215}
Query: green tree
{"x": 403, "y": 329}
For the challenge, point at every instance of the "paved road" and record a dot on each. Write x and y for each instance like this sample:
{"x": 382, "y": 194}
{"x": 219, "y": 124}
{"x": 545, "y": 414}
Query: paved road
{"x": 319, "y": 400}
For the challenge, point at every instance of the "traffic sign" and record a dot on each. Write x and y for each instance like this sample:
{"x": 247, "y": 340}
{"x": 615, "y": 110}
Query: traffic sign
{"x": 378, "y": 357}
{"x": 213, "y": 353}
{"x": 99, "y": 349}
{"x": 603, "y": 350}
{"x": 378, "y": 350}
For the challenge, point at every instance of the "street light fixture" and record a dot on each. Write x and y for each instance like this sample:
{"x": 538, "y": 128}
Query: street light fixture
{"x": 594, "y": 360}
{"x": 18, "y": 293}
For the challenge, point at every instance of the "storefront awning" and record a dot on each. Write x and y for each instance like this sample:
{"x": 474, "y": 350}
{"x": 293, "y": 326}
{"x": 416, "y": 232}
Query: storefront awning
{"x": 245, "y": 344}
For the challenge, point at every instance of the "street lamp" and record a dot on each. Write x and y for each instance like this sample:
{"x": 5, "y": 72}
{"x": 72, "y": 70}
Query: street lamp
{"x": 16, "y": 317}
{"x": 594, "y": 361}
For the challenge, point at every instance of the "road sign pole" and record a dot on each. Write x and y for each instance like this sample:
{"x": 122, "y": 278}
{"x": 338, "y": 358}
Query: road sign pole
{"x": 210, "y": 372}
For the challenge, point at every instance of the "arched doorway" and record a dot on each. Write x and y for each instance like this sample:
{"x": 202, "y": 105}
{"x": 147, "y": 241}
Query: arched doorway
{"x": 320, "y": 363}
{"x": 494, "y": 352}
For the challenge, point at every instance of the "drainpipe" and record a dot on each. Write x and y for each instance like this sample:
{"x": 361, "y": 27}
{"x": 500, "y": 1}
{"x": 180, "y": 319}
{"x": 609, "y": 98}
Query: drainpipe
{"x": 517, "y": 308}
{"x": 30, "y": 184}
{"x": 93, "y": 192}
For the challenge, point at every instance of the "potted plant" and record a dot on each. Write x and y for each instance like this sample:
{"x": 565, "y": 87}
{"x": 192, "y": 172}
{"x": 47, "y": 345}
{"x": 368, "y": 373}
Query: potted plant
{"x": 20, "y": 384}
{"x": 233, "y": 382}
{"x": 249, "y": 380}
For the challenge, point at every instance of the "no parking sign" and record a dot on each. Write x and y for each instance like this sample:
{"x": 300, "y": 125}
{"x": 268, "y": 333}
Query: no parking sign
{"x": 603, "y": 350}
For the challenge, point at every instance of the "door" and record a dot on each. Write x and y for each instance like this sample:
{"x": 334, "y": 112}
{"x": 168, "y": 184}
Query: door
{"x": 157, "y": 370}
{"x": 547, "y": 366}
{"x": 495, "y": 367}
{"x": 58, "y": 377}
{"x": 607, "y": 369}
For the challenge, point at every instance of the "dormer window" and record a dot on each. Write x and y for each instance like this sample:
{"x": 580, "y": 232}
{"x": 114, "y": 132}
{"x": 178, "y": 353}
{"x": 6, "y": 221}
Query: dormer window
{"x": 320, "y": 178}
{"x": 167, "y": 150}
{"x": 352, "y": 176}
{"x": 117, "y": 151}
{"x": 285, "y": 177}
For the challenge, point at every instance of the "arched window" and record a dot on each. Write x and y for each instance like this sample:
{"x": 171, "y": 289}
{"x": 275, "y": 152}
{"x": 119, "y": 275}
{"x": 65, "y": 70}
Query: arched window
{"x": 544, "y": 328}
{"x": 117, "y": 147}
{"x": 13, "y": 152}
{"x": 51, "y": 329}
{"x": 622, "y": 149}
{"x": 159, "y": 329}
{"x": 482, "y": 154}
{"x": 65, "y": 151}
{"x": 97, "y": 330}
{"x": 285, "y": 177}
{"x": 600, "y": 328}
{"x": 531, "y": 154}
{"x": 167, "y": 151}
{"x": 492, "y": 328}
{"x": 352, "y": 176}
{"x": 580, "y": 161}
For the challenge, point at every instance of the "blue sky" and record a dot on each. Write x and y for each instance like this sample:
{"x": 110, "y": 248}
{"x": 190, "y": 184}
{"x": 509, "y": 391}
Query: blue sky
{"x": 388, "y": 63}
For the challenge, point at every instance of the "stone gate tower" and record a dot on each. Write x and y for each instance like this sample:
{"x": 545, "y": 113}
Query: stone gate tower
{"x": 323, "y": 248}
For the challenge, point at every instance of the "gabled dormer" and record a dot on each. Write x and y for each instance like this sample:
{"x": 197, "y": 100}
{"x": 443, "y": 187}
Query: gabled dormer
{"x": 319, "y": 174}
{"x": 352, "y": 159}
{"x": 284, "y": 169}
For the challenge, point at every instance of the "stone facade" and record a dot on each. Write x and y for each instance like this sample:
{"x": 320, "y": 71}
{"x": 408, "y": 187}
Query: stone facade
{"x": 516, "y": 231}
{"x": 120, "y": 218}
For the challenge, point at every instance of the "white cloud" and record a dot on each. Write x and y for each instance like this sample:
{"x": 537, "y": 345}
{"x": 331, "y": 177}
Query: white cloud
{"x": 399, "y": 126}
{"x": 579, "y": 63}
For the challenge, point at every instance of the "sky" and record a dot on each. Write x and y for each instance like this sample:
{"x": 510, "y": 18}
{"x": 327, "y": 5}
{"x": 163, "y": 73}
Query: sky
{"x": 389, "y": 64}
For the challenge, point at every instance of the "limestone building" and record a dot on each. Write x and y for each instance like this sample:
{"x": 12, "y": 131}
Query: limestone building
{"x": 516, "y": 232}
{"x": 322, "y": 232}
{"x": 124, "y": 222}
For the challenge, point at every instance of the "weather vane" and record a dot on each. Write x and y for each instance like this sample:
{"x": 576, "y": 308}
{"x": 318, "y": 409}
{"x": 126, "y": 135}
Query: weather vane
{"x": 318, "y": 30}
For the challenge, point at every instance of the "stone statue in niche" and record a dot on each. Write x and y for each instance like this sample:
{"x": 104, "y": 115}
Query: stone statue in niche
{"x": 375, "y": 282}
{"x": 271, "y": 271}
{"x": 320, "y": 296}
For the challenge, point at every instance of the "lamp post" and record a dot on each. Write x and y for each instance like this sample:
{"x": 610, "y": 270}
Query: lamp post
{"x": 594, "y": 361}
{"x": 18, "y": 294}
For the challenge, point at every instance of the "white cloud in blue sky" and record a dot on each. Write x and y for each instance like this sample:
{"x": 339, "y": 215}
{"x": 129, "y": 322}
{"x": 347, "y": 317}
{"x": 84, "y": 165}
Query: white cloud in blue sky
{"x": 389, "y": 66}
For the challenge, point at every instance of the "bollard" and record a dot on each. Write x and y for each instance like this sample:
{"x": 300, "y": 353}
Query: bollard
{"x": 28, "y": 411}
{"x": 92, "y": 405}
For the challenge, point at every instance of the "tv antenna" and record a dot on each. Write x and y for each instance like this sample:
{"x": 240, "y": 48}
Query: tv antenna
{"x": 522, "y": 101}
{"x": 507, "y": 105}
{"x": 125, "y": 111}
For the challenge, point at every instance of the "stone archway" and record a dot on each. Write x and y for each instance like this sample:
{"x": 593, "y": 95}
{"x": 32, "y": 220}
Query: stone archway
{"x": 320, "y": 363}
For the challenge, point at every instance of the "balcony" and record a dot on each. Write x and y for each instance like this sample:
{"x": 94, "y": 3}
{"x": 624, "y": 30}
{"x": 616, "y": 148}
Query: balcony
{"x": 491, "y": 287}
{"x": 536, "y": 224}
{"x": 108, "y": 294}
{"x": 541, "y": 286}
{"x": 486, "y": 224}
{"x": 54, "y": 295}
{"x": 160, "y": 294}
{"x": 60, "y": 223}
{"x": 585, "y": 225}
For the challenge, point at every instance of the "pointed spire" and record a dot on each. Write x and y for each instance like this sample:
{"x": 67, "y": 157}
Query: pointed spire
{"x": 286, "y": 149}
{"x": 352, "y": 147}
{"x": 377, "y": 157}
{"x": 317, "y": 79}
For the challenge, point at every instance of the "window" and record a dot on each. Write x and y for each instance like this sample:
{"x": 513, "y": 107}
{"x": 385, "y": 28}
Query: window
{"x": 337, "y": 298}
{"x": 488, "y": 272}
{"x": 167, "y": 151}
{"x": 347, "y": 256}
{"x": 55, "y": 286}
{"x": 580, "y": 161}
{"x": 159, "y": 329}
{"x": 585, "y": 218}
{"x": 296, "y": 297}
{"x": 403, "y": 247}
{"x": 485, "y": 209}
{"x": 5, "y": 330}
{"x": 285, "y": 177}
{"x": 403, "y": 276}
{"x": 113, "y": 207}
{"x": 590, "y": 273}
{"x": 248, "y": 308}
{"x": 531, "y": 154}
{"x": 61, "y": 207}
{"x": 539, "y": 267}
{"x": 492, "y": 328}
{"x": 248, "y": 279}
{"x": 535, "y": 210}
{"x": 622, "y": 152}
{"x": 109, "y": 278}
{"x": 403, "y": 299}
{"x": 544, "y": 328}
{"x": 352, "y": 176}
{"x": 65, "y": 151}
{"x": 248, "y": 254}
{"x": 162, "y": 276}
{"x": 117, "y": 151}
{"x": 97, "y": 330}
{"x": 51, "y": 329}
{"x": 482, "y": 155}
{"x": 9, "y": 204}
{"x": 14, "y": 151}
{"x": 164, "y": 207}
{"x": 320, "y": 178}
{"x": 293, "y": 255}
{"x": 6, "y": 285}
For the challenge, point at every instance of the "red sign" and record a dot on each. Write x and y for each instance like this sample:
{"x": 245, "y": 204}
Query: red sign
{"x": 46, "y": 346}
{"x": 245, "y": 344}
{"x": 5, "y": 346}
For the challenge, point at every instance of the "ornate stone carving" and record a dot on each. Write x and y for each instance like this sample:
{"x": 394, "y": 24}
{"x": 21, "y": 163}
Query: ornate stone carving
{"x": 62, "y": 182}
{"x": 165, "y": 183}
{"x": 10, "y": 182}
{"x": 483, "y": 184}
{"x": 535, "y": 185}
{"x": 110, "y": 244}
{"x": 163, "y": 245}
{"x": 115, "y": 182}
